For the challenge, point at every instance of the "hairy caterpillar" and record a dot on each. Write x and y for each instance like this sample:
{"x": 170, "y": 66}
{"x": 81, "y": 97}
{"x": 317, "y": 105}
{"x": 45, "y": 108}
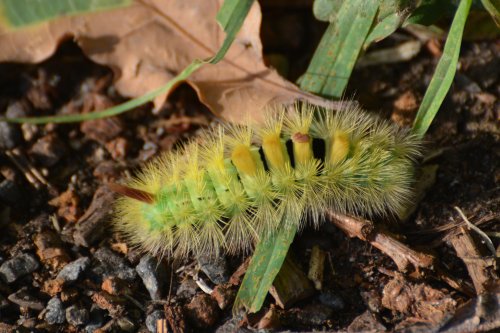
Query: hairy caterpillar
{"x": 236, "y": 184}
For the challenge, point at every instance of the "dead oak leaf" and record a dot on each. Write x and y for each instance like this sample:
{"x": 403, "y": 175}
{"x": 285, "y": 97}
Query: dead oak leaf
{"x": 151, "y": 41}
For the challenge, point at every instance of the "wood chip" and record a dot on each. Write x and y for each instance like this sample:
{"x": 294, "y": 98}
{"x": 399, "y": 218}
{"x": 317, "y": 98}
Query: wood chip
{"x": 91, "y": 226}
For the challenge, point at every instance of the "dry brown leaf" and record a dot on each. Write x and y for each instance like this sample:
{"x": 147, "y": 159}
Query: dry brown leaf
{"x": 148, "y": 43}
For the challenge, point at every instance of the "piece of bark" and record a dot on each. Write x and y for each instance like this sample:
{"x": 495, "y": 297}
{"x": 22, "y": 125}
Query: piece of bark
{"x": 403, "y": 256}
{"x": 237, "y": 276}
{"x": 91, "y": 226}
{"x": 174, "y": 318}
{"x": 479, "y": 265}
{"x": 290, "y": 285}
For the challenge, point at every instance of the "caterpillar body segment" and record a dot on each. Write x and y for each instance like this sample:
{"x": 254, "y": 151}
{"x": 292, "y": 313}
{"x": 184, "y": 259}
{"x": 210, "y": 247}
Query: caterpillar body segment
{"x": 239, "y": 183}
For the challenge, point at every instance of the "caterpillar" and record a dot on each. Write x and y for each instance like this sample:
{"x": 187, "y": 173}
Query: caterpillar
{"x": 235, "y": 184}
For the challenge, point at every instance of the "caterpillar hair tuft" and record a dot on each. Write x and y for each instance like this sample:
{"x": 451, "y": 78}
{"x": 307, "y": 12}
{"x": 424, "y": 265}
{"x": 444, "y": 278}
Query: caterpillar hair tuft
{"x": 238, "y": 183}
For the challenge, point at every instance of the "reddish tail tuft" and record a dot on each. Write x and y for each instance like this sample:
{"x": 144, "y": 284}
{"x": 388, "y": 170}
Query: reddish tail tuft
{"x": 132, "y": 193}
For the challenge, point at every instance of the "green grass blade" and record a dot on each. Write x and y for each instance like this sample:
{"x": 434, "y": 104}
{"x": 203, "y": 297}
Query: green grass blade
{"x": 429, "y": 12}
{"x": 16, "y": 14}
{"x": 326, "y": 10}
{"x": 334, "y": 59}
{"x": 266, "y": 263}
{"x": 232, "y": 19}
{"x": 445, "y": 72}
{"x": 493, "y": 7}
{"x": 383, "y": 29}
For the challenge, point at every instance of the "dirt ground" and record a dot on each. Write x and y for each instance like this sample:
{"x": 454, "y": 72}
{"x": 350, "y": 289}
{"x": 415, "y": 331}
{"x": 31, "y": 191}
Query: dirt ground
{"x": 65, "y": 270}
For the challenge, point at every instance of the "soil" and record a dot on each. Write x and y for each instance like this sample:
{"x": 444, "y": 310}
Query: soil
{"x": 54, "y": 205}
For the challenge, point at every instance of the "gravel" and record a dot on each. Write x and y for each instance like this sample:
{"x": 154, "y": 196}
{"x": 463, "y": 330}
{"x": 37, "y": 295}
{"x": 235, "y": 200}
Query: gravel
{"x": 215, "y": 268}
{"x": 110, "y": 264}
{"x": 26, "y": 300}
{"x": 152, "y": 319}
{"x": 153, "y": 275}
{"x": 18, "y": 266}
{"x": 54, "y": 312}
{"x": 76, "y": 315}
{"x": 71, "y": 272}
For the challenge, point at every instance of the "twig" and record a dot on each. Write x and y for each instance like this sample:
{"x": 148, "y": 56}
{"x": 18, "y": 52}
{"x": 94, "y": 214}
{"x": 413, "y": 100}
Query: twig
{"x": 481, "y": 267}
{"x": 403, "y": 256}
{"x": 481, "y": 233}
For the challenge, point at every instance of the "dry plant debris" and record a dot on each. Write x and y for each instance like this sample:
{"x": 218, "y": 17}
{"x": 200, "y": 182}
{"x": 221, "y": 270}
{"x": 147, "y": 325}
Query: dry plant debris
{"x": 150, "y": 42}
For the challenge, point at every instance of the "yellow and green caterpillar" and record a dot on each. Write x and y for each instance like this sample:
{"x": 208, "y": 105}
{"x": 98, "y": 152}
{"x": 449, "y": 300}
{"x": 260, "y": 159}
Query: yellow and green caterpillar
{"x": 236, "y": 184}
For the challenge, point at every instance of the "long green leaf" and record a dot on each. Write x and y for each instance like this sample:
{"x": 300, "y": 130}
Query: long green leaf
{"x": 445, "y": 72}
{"x": 334, "y": 59}
{"x": 231, "y": 17}
{"x": 493, "y": 7}
{"x": 266, "y": 263}
{"x": 16, "y": 14}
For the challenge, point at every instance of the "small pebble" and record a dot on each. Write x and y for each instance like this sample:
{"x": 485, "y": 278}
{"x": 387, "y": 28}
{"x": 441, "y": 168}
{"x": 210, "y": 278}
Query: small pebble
{"x": 331, "y": 299}
{"x": 54, "y": 312}
{"x": 48, "y": 150}
{"x": 152, "y": 318}
{"x": 111, "y": 264}
{"x": 153, "y": 275}
{"x": 71, "y": 272}
{"x": 76, "y": 315}
{"x": 18, "y": 266}
{"x": 214, "y": 268}
{"x": 233, "y": 326}
{"x": 125, "y": 324}
{"x": 24, "y": 299}
{"x": 10, "y": 136}
{"x": 187, "y": 289}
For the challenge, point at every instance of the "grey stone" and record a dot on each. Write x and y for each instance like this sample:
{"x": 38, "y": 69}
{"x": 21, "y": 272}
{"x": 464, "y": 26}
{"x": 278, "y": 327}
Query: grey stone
{"x": 152, "y": 319}
{"x": 187, "y": 289}
{"x": 18, "y": 266}
{"x": 214, "y": 268}
{"x": 232, "y": 326}
{"x": 10, "y": 136}
{"x": 24, "y": 299}
{"x": 110, "y": 264}
{"x": 153, "y": 275}
{"x": 331, "y": 299}
{"x": 54, "y": 312}
{"x": 77, "y": 315}
{"x": 71, "y": 272}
